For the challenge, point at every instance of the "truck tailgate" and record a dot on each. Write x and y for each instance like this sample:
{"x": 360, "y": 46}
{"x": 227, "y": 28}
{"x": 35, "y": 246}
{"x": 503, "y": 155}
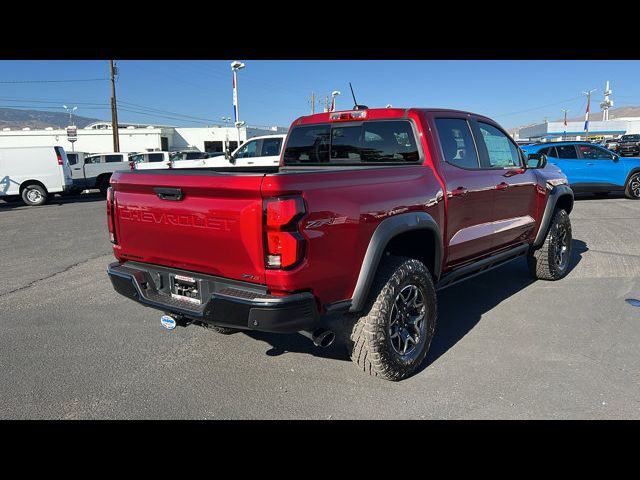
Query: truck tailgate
{"x": 214, "y": 228}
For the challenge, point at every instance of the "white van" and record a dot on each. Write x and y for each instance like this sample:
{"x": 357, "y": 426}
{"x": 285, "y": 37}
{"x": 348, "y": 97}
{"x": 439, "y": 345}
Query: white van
{"x": 33, "y": 173}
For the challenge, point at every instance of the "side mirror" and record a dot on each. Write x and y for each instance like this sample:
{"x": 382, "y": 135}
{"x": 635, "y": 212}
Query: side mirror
{"x": 536, "y": 160}
{"x": 616, "y": 158}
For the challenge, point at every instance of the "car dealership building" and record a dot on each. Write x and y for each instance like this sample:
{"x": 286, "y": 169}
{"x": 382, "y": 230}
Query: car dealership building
{"x": 97, "y": 137}
{"x": 555, "y": 131}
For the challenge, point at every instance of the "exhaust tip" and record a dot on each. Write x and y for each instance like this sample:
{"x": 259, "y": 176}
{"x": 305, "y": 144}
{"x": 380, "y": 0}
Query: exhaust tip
{"x": 324, "y": 338}
{"x": 320, "y": 337}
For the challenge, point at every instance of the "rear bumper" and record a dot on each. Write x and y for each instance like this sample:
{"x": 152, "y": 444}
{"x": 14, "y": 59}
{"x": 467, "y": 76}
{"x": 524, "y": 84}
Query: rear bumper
{"x": 225, "y": 303}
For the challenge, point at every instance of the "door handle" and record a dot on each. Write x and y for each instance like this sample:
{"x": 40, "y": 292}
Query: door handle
{"x": 502, "y": 186}
{"x": 459, "y": 192}
{"x": 77, "y": 168}
{"x": 589, "y": 163}
{"x": 168, "y": 193}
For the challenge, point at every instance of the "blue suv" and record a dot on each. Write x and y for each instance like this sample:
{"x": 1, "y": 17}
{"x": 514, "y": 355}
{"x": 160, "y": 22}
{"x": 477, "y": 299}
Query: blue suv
{"x": 592, "y": 168}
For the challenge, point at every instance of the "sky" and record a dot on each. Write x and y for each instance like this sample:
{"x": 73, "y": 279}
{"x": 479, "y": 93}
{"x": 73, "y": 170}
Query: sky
{"x": 272, "y": 92}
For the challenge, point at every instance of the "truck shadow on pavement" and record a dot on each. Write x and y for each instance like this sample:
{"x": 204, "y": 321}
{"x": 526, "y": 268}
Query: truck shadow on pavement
{"x": 56, "y": 200}
{"x": 455, "y": 317}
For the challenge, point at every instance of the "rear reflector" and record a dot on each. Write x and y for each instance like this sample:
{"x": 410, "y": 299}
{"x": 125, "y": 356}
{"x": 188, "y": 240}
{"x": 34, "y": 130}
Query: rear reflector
{"x": 345, "y": 116}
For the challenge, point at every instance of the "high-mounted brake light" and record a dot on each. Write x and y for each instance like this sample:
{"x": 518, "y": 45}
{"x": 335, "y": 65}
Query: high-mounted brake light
{"x": 345, "y": 116}
{"x": 284, "y": 244}
{"x": 110, "y": 215}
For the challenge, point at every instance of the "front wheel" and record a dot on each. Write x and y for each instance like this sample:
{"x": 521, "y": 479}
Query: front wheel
{"x": 632, "y": 189}
{"x": 392, "y": 338}
{"x": 551, "y": 260}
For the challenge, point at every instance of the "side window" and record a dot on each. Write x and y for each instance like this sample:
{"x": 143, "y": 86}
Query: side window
{"x": 248, "y": 150}
{"x": 156, "y": 157}
{"x": 136, "y": 158}
{"x": 544, "y": 150}
{"x": 552, "y": 152}
{"x": 590, "y": 152}
{"x": 90, "y": 160}
{"x": 112, "y": 158}
{"x": 566, "y": 151}
{"x": 502, "y": 152}
{"x": 271, "y": 147}
{"x": 457, "y": 143}
{"x": 73, "y": 158}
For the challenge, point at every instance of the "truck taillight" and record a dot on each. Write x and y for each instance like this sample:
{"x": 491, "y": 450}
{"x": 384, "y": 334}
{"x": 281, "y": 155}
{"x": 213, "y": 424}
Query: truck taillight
{"x": 111, "y": 215}
{"x": 60, "y": 162}
{"x": 284, "y": 244}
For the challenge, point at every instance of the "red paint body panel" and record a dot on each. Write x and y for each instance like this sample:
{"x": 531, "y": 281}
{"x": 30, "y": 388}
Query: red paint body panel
{"x": 343, "y": 210}
{"x": 218, "y": 227}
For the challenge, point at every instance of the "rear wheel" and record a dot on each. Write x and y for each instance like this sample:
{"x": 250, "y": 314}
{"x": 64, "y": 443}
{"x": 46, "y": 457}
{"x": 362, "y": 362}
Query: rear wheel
{"x": 34, "y": 195}
{"x": 551, "y": 260}
{"x": 392, "y": 338}
{"x": 103, "y": 185}
{"x": 632, "y": 189}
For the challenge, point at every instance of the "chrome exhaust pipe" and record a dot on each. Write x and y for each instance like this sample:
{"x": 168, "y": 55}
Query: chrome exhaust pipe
{"x": 320, "y": 337}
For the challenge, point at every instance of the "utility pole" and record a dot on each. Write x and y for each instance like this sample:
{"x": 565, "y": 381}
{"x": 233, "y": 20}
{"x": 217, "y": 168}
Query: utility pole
{"x": 313, "y": 103}
{"x": 564, "y": 135}
{"x": 114, "y": 109}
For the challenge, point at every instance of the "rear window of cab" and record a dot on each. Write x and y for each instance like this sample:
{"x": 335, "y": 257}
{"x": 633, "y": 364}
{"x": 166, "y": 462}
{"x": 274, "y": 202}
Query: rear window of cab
{"x": 352, "y": 143}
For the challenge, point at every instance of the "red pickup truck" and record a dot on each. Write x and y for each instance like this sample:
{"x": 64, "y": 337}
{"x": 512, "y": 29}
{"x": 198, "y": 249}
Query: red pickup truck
{"x": 368, "y": 214}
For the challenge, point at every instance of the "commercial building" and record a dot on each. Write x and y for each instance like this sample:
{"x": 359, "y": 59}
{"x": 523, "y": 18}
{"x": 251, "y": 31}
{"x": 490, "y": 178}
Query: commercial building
{"x": 555, "y": 131}
{"x": 97, "y": 137}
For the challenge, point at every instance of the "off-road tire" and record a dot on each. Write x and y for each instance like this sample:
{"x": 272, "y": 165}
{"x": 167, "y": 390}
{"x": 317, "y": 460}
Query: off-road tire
{"x": 30, "y": 192}
{"x": 370, "y": 343}
{"x": 632, "y": 189}
{"x": 542, "y": 261}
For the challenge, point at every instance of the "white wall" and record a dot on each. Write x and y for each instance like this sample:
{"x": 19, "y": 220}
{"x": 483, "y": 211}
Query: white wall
{"x": 93, "y": 141}
{"x": 131, "y": 140}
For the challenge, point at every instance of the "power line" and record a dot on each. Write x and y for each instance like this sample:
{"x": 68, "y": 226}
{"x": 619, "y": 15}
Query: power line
{"x": 538, "y": 108}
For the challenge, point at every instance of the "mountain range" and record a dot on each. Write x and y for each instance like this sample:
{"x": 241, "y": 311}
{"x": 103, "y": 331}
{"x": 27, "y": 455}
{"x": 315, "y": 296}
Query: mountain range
{"x": 17, "y": 119}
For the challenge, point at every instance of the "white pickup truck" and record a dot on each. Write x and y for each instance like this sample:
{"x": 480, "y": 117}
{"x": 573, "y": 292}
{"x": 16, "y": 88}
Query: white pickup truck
{"x": 257, "y": 151}
{"x": 94, "y": 171}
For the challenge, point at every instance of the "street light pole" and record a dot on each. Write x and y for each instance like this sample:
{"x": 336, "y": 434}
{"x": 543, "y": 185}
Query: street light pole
{"x": 235, "y": 66}
{"x": 334, "y": 94}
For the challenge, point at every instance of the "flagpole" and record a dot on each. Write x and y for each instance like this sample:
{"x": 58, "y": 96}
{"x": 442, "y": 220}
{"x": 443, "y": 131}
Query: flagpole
{"x": 586, "y": 115}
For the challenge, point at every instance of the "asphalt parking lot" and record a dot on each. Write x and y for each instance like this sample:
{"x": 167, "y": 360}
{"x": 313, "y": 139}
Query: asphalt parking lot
{"x": 506, "y": 347}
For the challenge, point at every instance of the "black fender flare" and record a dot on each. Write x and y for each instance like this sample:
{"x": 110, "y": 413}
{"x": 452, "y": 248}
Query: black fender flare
{"x": 385, "y": 231}
{"x": 557, "y": 192}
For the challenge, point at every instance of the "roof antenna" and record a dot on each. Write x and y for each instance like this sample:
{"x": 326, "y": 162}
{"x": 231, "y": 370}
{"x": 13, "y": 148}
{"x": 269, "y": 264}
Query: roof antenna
{"x": 355, "y": 102}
